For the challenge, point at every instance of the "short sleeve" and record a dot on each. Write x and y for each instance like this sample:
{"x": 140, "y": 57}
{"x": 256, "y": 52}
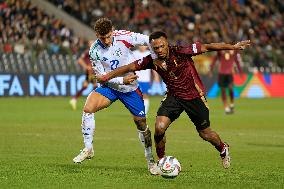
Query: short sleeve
{"x": 192, "y": 49}
{"x": 132, "y": 39}
{"x": 144, "y": 63}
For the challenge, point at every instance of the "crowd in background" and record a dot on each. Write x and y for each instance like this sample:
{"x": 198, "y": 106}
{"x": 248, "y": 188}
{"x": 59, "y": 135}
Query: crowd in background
{"x": 184, "y": 21}
{"x": 24, "y": 27}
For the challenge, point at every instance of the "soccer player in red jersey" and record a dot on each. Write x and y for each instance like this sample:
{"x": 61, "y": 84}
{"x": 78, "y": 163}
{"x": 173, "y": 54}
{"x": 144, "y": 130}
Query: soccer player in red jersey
{"x": 185, "y": 89}
{"x": 227, "y": 60}
{"x": 85, "y": 62}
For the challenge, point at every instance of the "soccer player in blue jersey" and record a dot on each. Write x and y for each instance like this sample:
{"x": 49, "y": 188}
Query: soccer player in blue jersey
{"x": 110, "y": 51}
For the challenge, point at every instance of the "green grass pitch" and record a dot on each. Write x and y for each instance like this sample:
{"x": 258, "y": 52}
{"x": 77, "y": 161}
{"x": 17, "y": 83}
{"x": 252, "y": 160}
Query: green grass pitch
{"x": 40, "y": 136}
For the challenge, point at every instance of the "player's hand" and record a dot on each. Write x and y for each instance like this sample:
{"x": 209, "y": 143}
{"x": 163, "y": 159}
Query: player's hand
{"x": 129, "y": 79}
{"x": 242, "y": 45}
{"x": 101, "y": 78}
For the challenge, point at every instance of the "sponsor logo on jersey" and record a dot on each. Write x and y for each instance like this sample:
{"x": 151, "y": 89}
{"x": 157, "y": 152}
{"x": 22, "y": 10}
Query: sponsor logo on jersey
{"x": 141, "y": 113}
{"x": 118, "y": 52}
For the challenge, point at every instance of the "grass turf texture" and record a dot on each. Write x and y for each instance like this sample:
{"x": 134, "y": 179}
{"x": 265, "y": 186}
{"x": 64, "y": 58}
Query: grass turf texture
{"x": 40, "y": 136}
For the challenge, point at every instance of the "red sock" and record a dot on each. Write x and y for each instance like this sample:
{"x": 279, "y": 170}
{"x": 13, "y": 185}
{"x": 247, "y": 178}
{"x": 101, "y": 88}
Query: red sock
{"x": 160, "y": 152}
{"x": 220, "y": 147}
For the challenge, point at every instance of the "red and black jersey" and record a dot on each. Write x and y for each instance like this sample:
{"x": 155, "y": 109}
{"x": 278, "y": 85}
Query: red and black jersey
{"x": 227, "y": 59}
{"x": 178, "y": 71}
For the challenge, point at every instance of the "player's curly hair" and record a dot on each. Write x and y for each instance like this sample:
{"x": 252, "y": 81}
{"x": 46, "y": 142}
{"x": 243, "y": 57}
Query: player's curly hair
{"x": 157, "y": 34}
{"x": 103, "y": 26}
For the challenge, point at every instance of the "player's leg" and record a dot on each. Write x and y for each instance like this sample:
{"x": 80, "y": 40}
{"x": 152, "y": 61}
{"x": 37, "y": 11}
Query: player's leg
{"x": 133, "y": 101}
{"x": 231, "y": 93}
{"x": 73, "y": 101}
{"x": 211, "y": 136}
{"x": 198, "y": 112}
{"x": 222, "y": 82}
{"x": 161, "y": 125}
{"x": 169, "y": 110}
{"x": 224, "y": 100}
{"x": 144, "y": 135}
{"x": 97, "y": 100}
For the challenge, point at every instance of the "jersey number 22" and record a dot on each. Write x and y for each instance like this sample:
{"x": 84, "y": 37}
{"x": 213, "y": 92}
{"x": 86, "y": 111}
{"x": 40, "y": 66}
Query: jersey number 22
{"x": 114, "y": 64}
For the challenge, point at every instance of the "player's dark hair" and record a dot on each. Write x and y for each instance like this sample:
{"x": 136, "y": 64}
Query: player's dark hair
{"x": 157, "y": 34}
{"x": 103, "y": 26}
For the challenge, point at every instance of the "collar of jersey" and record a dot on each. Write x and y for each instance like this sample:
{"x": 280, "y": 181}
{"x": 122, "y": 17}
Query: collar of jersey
{"x": 102, "y": 45}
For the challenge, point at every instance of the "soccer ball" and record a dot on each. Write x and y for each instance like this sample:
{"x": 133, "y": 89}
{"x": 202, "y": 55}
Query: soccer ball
{"x": 169, "y": 167}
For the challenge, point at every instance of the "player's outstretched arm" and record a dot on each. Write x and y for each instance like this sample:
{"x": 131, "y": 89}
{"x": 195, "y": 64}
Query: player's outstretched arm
{"x": 118, "y": 72}
{"x": 224, "y": 46}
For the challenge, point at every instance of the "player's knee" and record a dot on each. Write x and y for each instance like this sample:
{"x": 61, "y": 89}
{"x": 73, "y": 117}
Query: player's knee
{"x": 205, "y": 133}
{"x": 202, "y": 126}
{"x": 140, "y": 123}
{"x": 160, "y": 128}
{"x": 159, "y": 131}
{"x": 88, "y": 109}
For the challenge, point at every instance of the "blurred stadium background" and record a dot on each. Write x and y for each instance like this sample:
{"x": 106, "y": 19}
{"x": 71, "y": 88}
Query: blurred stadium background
{"x": 40, "y": 42}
